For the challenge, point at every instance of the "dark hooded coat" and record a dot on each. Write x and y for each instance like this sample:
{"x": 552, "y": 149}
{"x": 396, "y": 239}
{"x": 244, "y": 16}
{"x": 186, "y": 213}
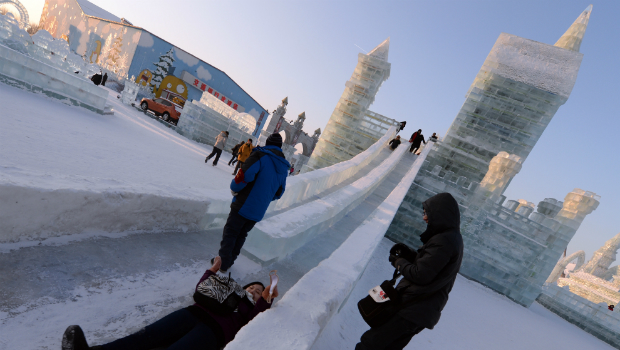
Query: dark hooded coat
{"x": 436, "y": 264}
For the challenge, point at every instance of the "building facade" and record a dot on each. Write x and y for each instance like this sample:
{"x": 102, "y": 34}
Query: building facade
{"x": 130, "y": 51}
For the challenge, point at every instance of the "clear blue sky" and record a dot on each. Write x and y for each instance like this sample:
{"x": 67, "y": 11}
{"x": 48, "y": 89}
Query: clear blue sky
{"x": 306, "y": 50}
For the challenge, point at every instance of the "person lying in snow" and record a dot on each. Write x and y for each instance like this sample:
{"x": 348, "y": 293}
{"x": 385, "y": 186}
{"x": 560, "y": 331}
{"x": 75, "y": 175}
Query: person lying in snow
{"x": 193, "y": 327}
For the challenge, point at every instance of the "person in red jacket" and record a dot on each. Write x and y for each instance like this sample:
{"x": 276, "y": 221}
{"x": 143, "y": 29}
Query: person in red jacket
{"x": 193, "y": 327}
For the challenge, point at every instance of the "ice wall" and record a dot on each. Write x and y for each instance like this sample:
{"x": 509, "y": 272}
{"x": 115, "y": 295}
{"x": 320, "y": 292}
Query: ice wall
{"x": 516, "y": 93}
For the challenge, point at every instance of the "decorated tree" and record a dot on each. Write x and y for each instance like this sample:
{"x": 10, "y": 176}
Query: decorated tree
{"x": 161, "y": 69}
{"x": 114, "y": 55}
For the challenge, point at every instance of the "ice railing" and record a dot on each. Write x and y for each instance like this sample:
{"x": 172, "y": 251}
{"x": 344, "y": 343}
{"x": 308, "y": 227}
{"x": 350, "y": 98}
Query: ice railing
{"x": 317, "y": 296}
{"x": 305, "y": 186}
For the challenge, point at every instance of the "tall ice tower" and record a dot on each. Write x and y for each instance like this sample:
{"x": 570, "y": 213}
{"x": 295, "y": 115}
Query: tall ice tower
{"x": 350, "y": 129}
{"x": 516, "y": 93}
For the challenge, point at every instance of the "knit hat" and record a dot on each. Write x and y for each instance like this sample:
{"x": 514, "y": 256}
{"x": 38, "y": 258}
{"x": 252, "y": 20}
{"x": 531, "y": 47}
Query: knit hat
{"x": 274, "y": 140}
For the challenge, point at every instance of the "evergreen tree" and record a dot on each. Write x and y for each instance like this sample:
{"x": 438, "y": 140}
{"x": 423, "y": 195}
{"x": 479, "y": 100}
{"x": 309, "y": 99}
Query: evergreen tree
{"x": 161, "y": 69}
{"x": 114, "y": 54}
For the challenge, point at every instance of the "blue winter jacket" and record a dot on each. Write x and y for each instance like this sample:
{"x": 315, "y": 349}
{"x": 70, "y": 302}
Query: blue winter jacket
{"x": 261, "y": 179}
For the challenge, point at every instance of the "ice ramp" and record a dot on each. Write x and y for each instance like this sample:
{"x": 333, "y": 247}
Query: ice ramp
{"x": 279, "y": 235}
{"x": 319, "y": 294}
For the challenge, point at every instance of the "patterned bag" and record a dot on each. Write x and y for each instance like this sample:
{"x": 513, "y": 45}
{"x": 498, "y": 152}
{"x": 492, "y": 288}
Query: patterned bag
{"x": 220, "y": 294}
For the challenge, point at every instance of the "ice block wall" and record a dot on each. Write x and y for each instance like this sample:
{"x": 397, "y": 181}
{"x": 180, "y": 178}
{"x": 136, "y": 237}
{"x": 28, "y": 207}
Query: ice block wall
{"x": 352, "y": 128}
{"x": 516, "y": 93}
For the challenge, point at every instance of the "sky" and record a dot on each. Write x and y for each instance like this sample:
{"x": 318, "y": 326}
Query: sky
{"x": 307, "y": 50}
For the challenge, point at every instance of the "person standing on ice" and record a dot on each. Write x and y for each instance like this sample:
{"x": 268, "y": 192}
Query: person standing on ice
{"x": 416, "y": 139}
{"x": 235, "y": 152}
{"x": 220, "y": 143}
{"x": 244, "y": 153}
{"x": 193, "y": 327}
{"x": 428, "y": 277}
{"x": 104, "y": 79}
{"x": 261, "y": 179}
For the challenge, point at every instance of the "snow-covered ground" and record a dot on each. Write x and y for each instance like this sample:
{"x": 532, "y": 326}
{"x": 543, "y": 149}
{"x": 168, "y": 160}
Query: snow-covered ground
{"x": 103, "y": 166}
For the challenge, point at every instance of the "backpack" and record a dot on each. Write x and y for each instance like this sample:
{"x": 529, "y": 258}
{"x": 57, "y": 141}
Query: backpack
{"x": 220, "y": 294}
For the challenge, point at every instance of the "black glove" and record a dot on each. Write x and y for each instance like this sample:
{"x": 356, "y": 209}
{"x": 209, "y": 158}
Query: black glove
{"x": 393, "y": 259}
{"x": 400, "y": 250}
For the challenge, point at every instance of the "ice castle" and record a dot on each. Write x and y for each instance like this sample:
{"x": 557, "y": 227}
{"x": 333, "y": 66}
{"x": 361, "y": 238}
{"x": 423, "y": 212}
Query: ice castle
{"x": 516, "y": 93}
{"x": 352, "y": 128}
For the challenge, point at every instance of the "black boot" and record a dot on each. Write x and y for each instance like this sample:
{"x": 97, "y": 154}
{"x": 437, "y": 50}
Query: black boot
{"x": 74, "y": 339}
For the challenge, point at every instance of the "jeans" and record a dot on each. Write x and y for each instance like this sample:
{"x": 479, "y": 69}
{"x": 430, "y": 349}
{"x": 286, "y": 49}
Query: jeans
{"x": 217, "y": 153}
{"x": 235, "y": 232}
{"x": 233, "y": 160}
{"x": 179, "y": 330}
{"x": 394, "y": 335}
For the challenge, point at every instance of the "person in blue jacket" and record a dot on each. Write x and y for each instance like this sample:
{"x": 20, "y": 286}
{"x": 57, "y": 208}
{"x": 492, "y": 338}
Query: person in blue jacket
{"x": 261, "y": 179}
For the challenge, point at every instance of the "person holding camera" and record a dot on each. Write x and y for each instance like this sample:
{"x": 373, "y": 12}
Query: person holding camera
{"x": 428, "y": 277}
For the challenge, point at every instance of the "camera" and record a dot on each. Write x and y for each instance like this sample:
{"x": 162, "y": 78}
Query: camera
{"x": 401, "y": 250}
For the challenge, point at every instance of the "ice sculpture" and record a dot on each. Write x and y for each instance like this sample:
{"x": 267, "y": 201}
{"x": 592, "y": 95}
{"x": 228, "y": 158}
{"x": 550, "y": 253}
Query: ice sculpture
{"x": 352, "y": 128}
{"x": 203, "y": 120}
{"x": 516, "y": 93}
{"x": 130, "y": 92}
{"x": 583, "y": 297}
{"x": 44, "y": 65}
{"x": 571, "y": 40}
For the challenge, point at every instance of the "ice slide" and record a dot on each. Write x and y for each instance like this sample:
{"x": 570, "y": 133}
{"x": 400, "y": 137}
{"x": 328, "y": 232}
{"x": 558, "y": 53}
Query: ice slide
{"x": 327, "y": 226}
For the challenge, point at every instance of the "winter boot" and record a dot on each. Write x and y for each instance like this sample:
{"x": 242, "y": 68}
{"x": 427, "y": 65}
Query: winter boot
{"x": 74, "y": 339}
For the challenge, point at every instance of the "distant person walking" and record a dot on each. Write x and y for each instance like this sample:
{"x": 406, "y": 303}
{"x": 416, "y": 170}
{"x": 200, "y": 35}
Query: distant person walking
{"x": 428, "y": 277}
{"x": 394, "y": 143}
{"x": 291, "y": 171}
{"x": 416, "y": 139}
{"x": 261, "y": 179}
{"x": 244, "y": 153}
{"x": 220, "y": 143}
{"x": 235, "y": 151}
{"x": 104, "y": 79}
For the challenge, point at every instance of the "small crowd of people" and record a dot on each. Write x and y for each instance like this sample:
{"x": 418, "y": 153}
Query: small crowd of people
{"x": 416, "y": 139}
{"x": 260, "y": 178}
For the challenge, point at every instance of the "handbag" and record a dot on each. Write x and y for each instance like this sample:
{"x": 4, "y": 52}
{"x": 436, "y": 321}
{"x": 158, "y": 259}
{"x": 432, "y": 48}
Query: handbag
{"x": 377, "y": 313}
{"x": 220, "y": 294}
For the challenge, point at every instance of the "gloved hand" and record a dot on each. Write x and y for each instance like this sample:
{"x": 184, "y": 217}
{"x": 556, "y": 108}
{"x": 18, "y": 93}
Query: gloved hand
{"x": 234, "y": 193}
{"x": 393, "y": 259}
{"x": 400, "y": 250}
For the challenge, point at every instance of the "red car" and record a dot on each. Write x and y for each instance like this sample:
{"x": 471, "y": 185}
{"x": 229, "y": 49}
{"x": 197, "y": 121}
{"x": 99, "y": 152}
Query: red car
{"x": 161, "y": 107}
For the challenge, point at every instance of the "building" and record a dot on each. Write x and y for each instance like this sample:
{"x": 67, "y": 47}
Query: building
{"x": 129, "y": 51}
{"x": 518, "y": 90}
{"x": 352, "y": 128}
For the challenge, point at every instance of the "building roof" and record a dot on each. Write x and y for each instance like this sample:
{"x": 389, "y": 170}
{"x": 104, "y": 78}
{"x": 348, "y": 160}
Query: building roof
{"x": 91, "y": 9}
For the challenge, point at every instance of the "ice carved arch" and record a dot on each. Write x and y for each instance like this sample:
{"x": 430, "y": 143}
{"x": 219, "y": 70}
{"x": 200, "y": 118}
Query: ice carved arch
{"x": 561, "y": 265}
{"x": 23, "y": 14}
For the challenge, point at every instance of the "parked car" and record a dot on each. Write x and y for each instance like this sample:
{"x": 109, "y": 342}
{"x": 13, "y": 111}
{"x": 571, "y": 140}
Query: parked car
{"x": 161, "y": 107}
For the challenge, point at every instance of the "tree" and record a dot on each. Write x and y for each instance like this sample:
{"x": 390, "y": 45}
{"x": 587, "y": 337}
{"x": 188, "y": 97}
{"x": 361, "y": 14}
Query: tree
{"x": 161, "y": 69}
{"x": 114, "y": 55}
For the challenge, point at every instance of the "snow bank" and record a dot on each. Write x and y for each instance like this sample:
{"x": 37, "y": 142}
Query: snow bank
{"x": 35, "y": 213}
{"x": 279, "y": 235}
{"x": 298, "y": 319}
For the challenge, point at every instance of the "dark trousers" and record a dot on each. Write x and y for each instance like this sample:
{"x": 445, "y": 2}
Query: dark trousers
{"x": 179, "y": 330}
{"x": 235, "y": 232}
{"x": 239, "y": 164}
{"x": 233, "y": 160}
{"x": 394, "y": 335}
{"x": 414, "y": 147}
{"x": 217, "y": 153}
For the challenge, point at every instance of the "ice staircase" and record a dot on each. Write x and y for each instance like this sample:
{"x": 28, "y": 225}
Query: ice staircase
{"x": 326, "y": 227}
